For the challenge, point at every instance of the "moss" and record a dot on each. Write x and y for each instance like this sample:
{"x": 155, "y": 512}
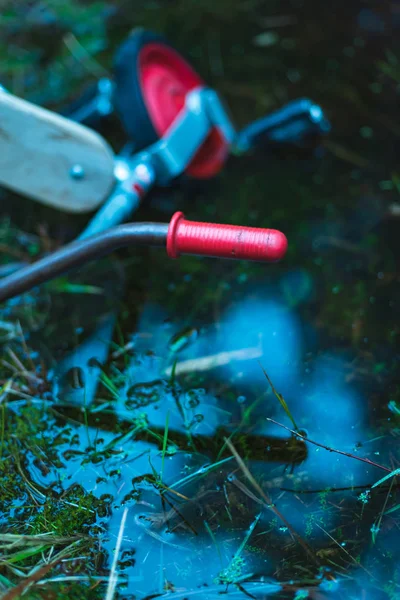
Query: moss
{"x": 232, "y": 573}
{"x": 71, "y": 515}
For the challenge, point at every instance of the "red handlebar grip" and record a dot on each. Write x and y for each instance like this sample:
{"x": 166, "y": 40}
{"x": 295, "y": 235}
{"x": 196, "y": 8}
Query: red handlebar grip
{"x": 224, "y": 241}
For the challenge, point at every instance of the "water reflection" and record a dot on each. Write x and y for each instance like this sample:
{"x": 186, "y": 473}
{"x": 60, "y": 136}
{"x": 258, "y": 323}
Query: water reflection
{"x": 175, "y": 497}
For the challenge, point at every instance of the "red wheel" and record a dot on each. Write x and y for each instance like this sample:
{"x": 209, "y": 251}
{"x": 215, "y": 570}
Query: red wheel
{"x": 162, "y": 79}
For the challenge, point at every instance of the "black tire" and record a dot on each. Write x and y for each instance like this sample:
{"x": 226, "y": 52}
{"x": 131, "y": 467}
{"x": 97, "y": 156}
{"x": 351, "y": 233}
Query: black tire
{"x": 128, "y": 98}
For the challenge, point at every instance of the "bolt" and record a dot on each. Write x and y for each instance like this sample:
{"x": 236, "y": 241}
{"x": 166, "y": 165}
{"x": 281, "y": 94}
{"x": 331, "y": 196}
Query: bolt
{"x": 144, "y": 173}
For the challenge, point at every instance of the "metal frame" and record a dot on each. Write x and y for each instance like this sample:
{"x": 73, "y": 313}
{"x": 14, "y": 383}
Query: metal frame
{"x": 161, "y": 163}
{"x": 169, "y": 157}
{"x": 164, "y": 160}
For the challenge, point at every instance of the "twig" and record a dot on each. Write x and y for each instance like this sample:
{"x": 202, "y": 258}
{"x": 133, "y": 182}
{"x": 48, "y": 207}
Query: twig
{"x": 365, "y": 460}
{"x": 333, "y": 490}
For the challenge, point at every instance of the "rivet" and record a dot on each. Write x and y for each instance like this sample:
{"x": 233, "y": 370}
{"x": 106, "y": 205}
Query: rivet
{"x": 77, "y": 172}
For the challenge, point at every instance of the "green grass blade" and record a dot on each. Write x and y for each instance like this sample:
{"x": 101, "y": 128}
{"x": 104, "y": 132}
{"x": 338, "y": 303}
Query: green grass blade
{"x": 392, "y": 474}
{"x": 164, "y": 447}
{"x": 280, "y": 398}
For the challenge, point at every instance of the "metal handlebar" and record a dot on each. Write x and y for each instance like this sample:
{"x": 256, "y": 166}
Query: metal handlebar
{"x": 178, "y": 237}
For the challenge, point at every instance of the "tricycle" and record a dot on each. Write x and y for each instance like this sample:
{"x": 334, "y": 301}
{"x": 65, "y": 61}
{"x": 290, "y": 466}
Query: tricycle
{"x": 176, "y": 127}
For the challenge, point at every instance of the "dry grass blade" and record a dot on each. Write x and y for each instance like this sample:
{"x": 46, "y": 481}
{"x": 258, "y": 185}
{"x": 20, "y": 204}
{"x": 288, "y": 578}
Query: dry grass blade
{"x": 213, "y": 361}
{"x": 112, "y": 582}
{"x": 356, "y": 562}
{"x": 17, "y": 591}
{"x": 267, "y": 500}
{"x": 11, "y": 540}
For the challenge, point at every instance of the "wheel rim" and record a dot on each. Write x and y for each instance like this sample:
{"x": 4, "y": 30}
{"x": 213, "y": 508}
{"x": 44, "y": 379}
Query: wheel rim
{"x": 165, "y": 79}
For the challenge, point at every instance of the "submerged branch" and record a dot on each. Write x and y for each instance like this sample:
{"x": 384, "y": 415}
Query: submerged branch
{"x": 305, "y": 439}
